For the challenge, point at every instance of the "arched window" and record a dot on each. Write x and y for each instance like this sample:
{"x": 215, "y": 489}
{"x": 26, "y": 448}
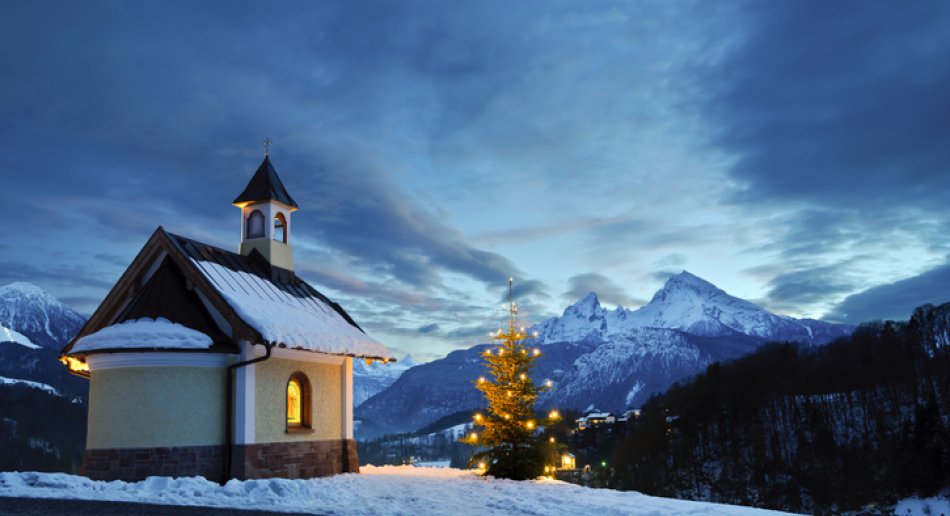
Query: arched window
{"x": 298, "y": 403}
{"x": 255, "y": 224}
{"x": 280, "y": 228}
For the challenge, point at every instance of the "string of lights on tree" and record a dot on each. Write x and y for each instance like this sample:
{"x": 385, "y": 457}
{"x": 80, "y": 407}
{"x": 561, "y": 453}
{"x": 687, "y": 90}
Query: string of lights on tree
{"x": 506, "y": 435}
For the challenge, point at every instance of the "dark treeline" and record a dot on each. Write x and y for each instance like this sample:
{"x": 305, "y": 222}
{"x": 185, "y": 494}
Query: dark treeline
{"x": 853, "y": 425}
{"x": 40, "y": 432}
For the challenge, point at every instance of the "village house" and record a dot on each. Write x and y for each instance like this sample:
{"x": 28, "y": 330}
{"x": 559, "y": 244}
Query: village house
{"x": 595, "y": 418}
{"x": 203, "y": 361}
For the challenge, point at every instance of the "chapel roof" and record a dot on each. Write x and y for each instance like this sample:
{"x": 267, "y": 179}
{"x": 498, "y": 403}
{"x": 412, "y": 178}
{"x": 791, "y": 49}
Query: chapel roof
{"x": 260, "y": 302}
{"x": 264, "y": 186}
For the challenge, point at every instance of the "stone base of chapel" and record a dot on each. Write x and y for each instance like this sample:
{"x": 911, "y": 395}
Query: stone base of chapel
{"x": 133, "y": 464}
{"x": 304, "y": 459}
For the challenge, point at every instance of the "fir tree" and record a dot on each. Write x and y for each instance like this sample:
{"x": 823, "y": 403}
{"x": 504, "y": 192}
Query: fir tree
{"x": 509, "y": 444}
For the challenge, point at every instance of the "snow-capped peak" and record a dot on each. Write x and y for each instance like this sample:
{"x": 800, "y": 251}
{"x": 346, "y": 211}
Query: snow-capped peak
{"x": 407, "y": 361}
{"x": 37, "y": 314}
{"x": 687, "y": 280}
{"x": 587, "y": 305}
{"x": 27, "y": 291}
{"x": 583, "y": 318}
{"x": 687, "y": 303}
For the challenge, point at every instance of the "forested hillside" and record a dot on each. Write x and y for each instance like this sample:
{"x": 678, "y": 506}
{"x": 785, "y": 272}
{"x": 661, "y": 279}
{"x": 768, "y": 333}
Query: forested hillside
{"x": 860, "y": 422}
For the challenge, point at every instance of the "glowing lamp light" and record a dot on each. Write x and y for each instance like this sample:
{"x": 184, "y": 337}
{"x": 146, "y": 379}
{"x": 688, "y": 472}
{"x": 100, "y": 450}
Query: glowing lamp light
{"x": 509, "y": 393}
{"x": 548, "y": 383}
{"x": 473, "y": 436}
{"x": 482, "y": 465}
{"x": 501, "y": 351}
{"x": 522, "y": 376}
{"x": 567, "y": 461}
{"x": 551, "y": 440}
{"x": 536, "y": 352}
{"x": 507, "y": 416}
{"x": 74, "y": 364}
{"x": 529, "y": 425}
{"x": 535, "y": 334}
{"x": 481, "y": 379}
{"x": 554, "y": 414}
{"x": 488, "y": 352}
{"x": 477, "y": 417}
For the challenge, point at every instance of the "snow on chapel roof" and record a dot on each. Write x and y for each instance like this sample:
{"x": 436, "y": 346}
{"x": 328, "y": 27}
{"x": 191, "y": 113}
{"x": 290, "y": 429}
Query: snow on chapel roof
{"x": 143, "y": 333}
{"x": 283, "y": 308}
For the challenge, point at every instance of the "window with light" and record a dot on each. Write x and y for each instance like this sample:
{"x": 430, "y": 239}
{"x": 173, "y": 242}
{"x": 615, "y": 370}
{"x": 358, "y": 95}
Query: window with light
{"x": 294, "y": 403}
{"x": 298, "y": 403}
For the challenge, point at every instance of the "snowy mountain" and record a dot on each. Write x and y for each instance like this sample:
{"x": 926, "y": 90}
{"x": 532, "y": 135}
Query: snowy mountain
{"x": 689, "y": 304}
{"x": 369, "y": 379}
{"x": 34, "y": 327}
{"x": 35, "y": 313}
{"x": 612, "y": 358}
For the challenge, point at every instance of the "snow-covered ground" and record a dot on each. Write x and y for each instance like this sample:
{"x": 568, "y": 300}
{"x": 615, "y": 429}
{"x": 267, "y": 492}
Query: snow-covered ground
{"x": 921, "y": 507}
{"x": 386, "y": 490}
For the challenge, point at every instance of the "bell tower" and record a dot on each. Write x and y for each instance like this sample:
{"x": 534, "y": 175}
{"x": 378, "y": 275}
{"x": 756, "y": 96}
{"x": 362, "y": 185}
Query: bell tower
{"x": 265, "y": 215}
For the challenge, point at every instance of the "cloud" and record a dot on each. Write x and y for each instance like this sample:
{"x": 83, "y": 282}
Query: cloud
{"x": 429, "y": 328}
{"x": 525, "y": 291}
{"x": 52, "y": 277}
{"x": 842, "y": 103}
{"x": 570, "y": 126}
{"x": 809, "y": 286}
{"x": 895, "y": 300}
{"x": 607, "y": 291}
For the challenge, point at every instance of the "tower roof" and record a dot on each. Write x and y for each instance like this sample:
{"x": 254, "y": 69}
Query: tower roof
{"x": 265, "y": 186}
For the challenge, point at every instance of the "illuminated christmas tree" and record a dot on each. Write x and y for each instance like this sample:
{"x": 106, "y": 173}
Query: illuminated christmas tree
{"x": 508, "y": 442}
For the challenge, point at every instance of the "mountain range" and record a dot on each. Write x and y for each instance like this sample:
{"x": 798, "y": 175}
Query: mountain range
{"x": 611, "y": 359}
{"x": 370, "y": 379}
{"x": 42, "y": 406}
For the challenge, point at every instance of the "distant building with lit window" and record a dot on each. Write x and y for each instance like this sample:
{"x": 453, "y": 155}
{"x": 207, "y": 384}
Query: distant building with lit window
{"x": 203, "y": 361}
{"x": 595, "y": 418}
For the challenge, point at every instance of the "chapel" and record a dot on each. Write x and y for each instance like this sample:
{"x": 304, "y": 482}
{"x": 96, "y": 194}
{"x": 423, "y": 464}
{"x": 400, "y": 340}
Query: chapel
{"x": 203, "y": 361}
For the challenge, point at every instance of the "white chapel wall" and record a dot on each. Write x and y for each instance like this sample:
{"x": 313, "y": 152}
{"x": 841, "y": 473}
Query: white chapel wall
{"x": 270, "y": 400}
{"x": 148, "y": 407}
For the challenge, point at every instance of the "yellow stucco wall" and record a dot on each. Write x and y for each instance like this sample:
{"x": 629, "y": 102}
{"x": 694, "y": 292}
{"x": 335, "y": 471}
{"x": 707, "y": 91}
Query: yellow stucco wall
{"x": 144, "y": 407}
{"x": 270, "y": 400}
{"x": 277, "y": 253}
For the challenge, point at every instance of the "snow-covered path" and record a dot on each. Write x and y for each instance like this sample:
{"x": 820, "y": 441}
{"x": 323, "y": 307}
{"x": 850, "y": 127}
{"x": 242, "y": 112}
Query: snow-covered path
{"x": 386, "y": 490}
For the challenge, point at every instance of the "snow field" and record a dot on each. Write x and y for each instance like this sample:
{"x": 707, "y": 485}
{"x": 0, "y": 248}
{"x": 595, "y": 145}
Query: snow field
{"x": 920, "y": 507}
{"x": 8, "y": 335}
{"x": 384, "y": 490}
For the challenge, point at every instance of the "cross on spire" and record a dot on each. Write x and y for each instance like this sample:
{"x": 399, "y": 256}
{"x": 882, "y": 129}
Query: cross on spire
{"x": 267, "y": 143}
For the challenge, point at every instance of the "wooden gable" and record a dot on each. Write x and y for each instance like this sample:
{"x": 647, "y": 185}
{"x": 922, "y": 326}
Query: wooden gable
{"x": 136, "y": 295}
